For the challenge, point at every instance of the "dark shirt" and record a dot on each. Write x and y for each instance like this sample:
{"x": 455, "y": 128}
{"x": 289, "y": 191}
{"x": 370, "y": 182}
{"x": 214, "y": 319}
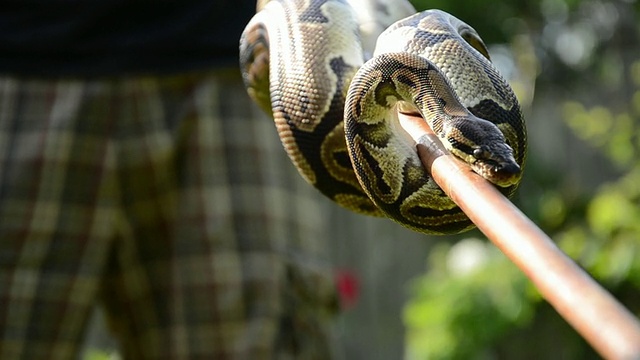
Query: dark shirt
{"x": 109, "y": 37}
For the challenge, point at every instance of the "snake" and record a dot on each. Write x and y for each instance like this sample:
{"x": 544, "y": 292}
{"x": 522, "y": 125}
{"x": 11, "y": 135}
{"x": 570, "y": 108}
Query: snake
{"x": 336, "y": 103}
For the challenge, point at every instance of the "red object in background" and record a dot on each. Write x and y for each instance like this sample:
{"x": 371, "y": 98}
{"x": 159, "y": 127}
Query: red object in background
{"x": 348, "y": 289}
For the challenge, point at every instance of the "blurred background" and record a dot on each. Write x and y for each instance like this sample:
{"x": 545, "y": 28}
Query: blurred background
{"x": 575, "y": 66}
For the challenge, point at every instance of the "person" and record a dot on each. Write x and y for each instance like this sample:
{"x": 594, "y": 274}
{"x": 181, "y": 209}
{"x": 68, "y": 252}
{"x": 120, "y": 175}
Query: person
{"x": 135, "y": 174}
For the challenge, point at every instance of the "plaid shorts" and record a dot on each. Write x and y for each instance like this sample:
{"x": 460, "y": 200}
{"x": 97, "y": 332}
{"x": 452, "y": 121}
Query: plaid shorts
{"x": 170, "y": 201}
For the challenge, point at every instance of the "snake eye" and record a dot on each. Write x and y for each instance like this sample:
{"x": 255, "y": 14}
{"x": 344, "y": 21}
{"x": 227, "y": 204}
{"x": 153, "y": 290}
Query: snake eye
{"x": 480, "y": 153}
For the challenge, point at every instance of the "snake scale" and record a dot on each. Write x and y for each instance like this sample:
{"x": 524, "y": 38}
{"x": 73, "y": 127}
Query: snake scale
{"x": 303, "y": 62}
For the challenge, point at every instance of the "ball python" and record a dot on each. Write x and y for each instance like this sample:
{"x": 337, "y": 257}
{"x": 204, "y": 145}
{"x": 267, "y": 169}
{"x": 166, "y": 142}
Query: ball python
{"x": 337, "y": 113}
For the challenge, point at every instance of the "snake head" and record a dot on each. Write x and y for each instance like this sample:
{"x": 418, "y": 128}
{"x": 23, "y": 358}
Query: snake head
{"x": 495, "y": 162}
{"x": 482, "y": 145}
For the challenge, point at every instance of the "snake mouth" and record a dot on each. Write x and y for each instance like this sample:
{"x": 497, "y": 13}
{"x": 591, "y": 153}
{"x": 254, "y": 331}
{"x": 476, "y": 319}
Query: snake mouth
{"x": 501, "y": 174}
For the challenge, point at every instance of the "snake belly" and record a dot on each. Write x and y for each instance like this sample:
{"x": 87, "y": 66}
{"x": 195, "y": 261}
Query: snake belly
{"x": 298, "y": 60}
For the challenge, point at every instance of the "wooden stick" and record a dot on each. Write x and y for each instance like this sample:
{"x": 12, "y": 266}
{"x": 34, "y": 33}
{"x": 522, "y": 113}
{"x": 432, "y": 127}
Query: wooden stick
{"x": 609, "y": 327}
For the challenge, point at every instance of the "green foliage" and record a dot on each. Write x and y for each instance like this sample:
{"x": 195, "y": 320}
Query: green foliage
{"x": 95, "y": 354}
{"x": 461, "y": 305}
{"x": 608, "y": 242}
{"x": 613, "y": 133}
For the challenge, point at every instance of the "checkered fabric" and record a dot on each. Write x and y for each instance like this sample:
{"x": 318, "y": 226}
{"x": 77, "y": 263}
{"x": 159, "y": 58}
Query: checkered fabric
{"x": 170, "y": 201}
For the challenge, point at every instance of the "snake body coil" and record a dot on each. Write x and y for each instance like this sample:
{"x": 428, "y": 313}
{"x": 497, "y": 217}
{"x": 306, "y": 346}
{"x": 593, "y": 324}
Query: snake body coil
{"x": 303, "y": 62}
